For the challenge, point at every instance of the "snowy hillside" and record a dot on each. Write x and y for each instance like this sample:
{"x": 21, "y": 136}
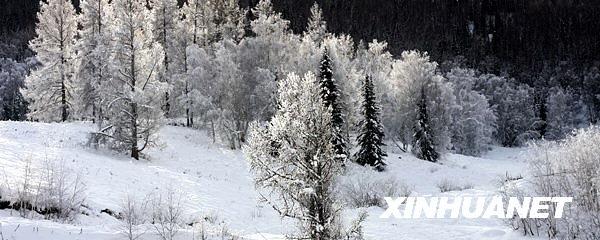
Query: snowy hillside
{"x": 217, "y": 187}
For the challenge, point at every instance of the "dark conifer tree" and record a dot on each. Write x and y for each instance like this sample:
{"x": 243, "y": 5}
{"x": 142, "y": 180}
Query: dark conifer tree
{"x": 423, "y": 139}
{"x": 330, "y": 94}
{"x": 370, "y": 139}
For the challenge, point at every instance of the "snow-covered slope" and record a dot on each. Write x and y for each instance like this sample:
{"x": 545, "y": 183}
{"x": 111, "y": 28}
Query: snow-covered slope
{"x": 217, "y": 185}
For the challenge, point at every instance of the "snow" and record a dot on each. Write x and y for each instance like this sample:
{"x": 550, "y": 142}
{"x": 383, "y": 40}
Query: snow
{"x": 217, "y": 184}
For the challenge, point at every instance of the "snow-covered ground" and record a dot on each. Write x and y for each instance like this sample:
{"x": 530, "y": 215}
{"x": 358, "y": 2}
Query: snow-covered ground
{"x": 217, "y": 185}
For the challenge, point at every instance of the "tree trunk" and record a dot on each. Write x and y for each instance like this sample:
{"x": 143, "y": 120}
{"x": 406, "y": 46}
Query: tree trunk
{"x": 135, "y": 152}
{"x": 63, "y": 100}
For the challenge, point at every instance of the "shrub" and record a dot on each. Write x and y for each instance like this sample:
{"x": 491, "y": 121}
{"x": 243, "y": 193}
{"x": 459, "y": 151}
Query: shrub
{"x": 366, "y": 189}
{"x": 53, "y": 191}
{"x": 446, "y": 185}
{"x": 568, "y": 168}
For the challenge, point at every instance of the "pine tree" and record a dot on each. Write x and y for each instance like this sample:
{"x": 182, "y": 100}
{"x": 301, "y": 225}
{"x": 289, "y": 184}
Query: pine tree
{"x": 371, "y": 134}
{"x": 423, "y": 143}
{"x": 50, "y": 88}
{"x": 330, "y": 94}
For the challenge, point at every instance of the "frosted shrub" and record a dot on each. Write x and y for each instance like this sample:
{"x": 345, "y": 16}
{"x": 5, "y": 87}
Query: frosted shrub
{"x": 61, "y": 192}
{"x": 53, "y": 191}
{"x": 366, "y": 190}
{"x": 568, "y": 168}
{"x": 446, "y": 185}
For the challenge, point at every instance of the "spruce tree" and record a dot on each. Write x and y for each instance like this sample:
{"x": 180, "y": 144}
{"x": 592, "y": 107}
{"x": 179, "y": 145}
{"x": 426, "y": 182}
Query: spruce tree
{"x": 423, "y": 139}
{"x": 371, "y": 134}
{"x": 330, "y": 95}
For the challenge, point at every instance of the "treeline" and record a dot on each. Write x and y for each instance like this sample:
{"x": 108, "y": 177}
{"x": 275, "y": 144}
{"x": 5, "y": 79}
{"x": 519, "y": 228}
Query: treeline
{"x": 525, "y": 35}
{"x": 130, "y": 67}
{"x": 205, "y": 65}
{"x": 521, "y": 33}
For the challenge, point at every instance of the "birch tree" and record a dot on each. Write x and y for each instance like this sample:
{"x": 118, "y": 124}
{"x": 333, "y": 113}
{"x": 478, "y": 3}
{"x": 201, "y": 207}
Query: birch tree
{"x": 292, "y": 158}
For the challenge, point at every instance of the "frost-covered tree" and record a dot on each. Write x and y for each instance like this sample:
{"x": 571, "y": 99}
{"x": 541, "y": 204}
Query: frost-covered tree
{"x": 514, "y": 107}
{"x": 414, "y": 82}
{"x": 206, "y": 26}
{"x": 192, "y": 33}
{"x": 473, "y": 121}
{"x": 292, "y": 158}
{"x": 196, "y": 20}
{"x": 228, "y": 19}
{"x": 134, "y": 109}
{"x": 270, "y": 47}
{"x": 591, "y": 93}
{"x": 370, "y": 138}
{"x": 565, "y": 113}
{"x": 49, "y": 88}
{"x": 376, "y": 62}
{"x": 330, "y": 94}
{"x": 12, "y": 78}
{"x": 164, "y": 22}
{"x": 232, "y": 95}
{"x": 341, "y": 51}
{"x": 423, "y": 142}
{"x": 317, "y": 27}
{"x": 93, "y": 68}
{"x": 197, "y": 85}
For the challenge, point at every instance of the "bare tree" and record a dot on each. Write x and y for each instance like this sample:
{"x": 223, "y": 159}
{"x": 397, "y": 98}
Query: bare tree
{"x": 133, "y": 216}
{"x": 166, "y": 213}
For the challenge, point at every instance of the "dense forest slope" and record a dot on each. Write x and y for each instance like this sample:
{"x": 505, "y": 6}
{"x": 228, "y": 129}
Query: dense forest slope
{"x": 524, "y": 35}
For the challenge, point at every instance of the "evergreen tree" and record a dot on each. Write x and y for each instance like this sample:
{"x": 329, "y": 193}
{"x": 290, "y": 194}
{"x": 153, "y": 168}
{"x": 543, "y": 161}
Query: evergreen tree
{"x": 330, "y": 94}
{"x": 423, "y": 143}
{"x": 49, "y": 88}
{"x": 371, "y": 134}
